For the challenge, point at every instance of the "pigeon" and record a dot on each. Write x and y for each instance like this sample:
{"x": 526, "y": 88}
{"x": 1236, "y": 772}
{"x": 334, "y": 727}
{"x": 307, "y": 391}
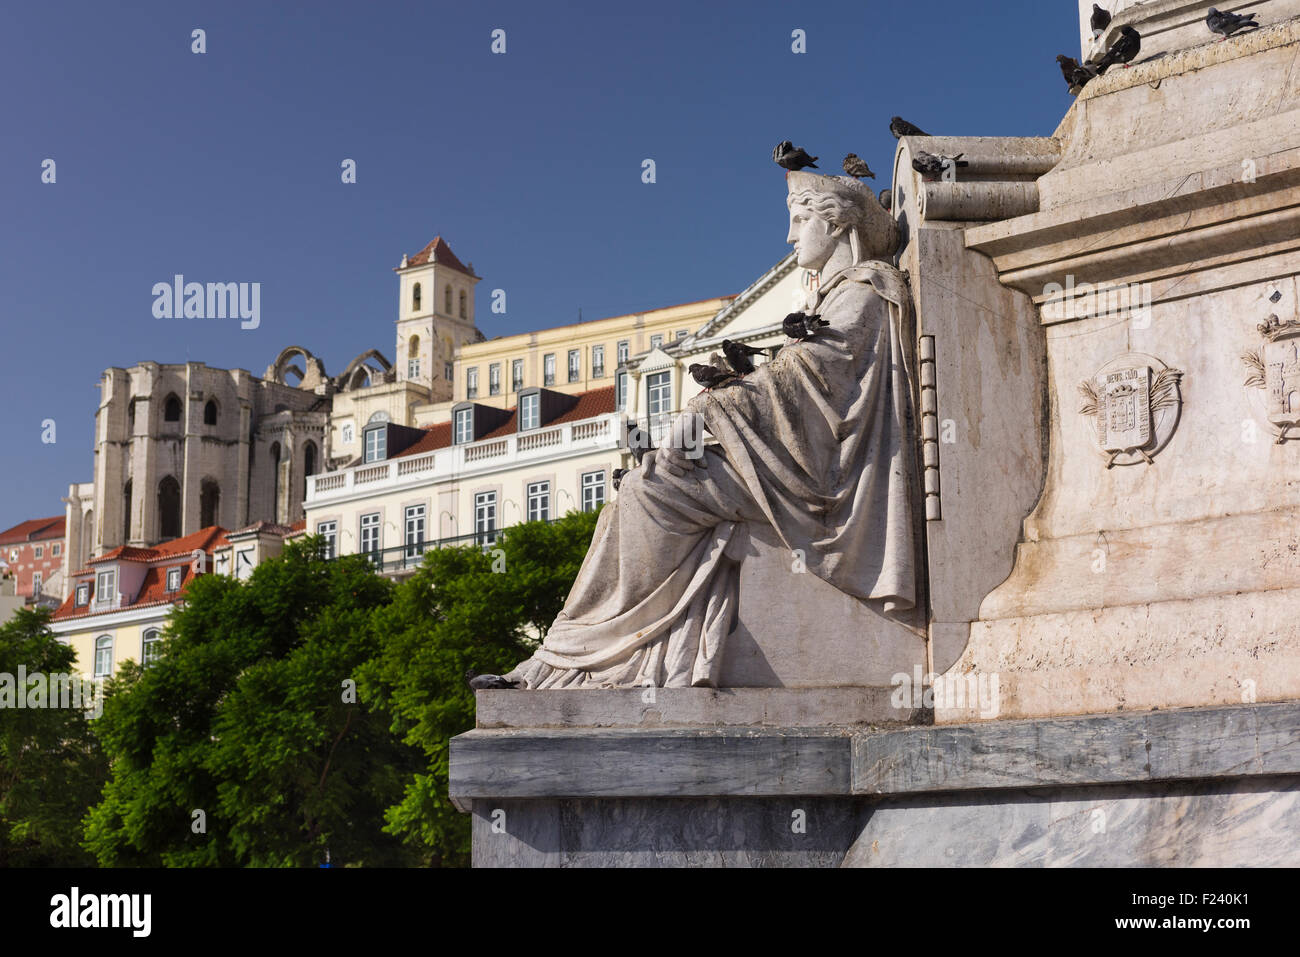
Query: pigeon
{"x": 791, "y": 157}
{"x": 927, "y": 164}
{"x": 900, "y": 128}
{"x": 1123, "y": 50}
{"x": 617, "y": 476}
{"x": 857, "y": 167}
{"x": 887, "y": 199}
{"x": 480, "y": 682}
{"x": 1100, "y": 21}
{"x": 738, "y": 354}
{"x": 1076, "y": 76}
{"x": 800, "y": 325}
{"x": 638, "y": 442}
{"x": 1229, "y": 23}
{"x": 710, "y": 377}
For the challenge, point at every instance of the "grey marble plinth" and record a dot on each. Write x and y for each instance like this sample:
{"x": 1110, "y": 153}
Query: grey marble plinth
{"x": 1202, "y": 786}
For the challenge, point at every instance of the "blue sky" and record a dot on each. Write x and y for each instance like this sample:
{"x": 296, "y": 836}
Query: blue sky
{"x": 225, "y": 166}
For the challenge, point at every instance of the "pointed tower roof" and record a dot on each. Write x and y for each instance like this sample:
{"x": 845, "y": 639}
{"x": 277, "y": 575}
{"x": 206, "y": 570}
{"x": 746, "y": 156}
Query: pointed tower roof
{"x": 438, "y": 253}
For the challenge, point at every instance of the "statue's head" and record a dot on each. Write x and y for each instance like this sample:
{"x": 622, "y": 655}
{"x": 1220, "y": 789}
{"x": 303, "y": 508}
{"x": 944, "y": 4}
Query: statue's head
{"x": 827, "y": 211}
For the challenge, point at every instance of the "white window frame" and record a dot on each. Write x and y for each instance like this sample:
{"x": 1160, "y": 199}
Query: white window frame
{"x": 463, "y": 427}
{"x": 174, "y": 575}
{"x": 597, "y": 362}
{"x": 82, "y": 595}
{"x": 624, "y": 350}
{"x": 105, "y": 586}
{"x": 371, "y": 535}
{"x": 104, "y": 650}
{"x": 413, "y": 523}
{"x": 145, "y": 644}
{"x": 40, "y": 551}
{"x": 548, "y": 369}
{"x": 376, "y": 450}
{"x": 494, "y": 379}
{"x": 471, "y": 383}
{"x": 485, "y": 518}
{"x": 329, "y": 530}
{"x": 413, "y": 368}
{"x": 538, "y": 496}
{"x": 449, "y": 371}
{"x": 575, "y": 365}
{"x": 593, "y": 490}
{"x": 656, "y": 341}
{"x": 620, "y": 390}
{"x": 516, "y": 375}
{"x": 530, "y": 411}
{"x": 37, "y": 581}
{"x": 659, "y": 392}
{"x": 56, "y": 549}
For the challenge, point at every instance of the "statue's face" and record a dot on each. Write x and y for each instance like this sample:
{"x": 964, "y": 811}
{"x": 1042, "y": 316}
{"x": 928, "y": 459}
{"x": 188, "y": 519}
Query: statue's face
{"x": 814, "y": 239}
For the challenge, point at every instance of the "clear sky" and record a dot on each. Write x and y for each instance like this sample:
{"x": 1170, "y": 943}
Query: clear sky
{"x": 225, "y": 166}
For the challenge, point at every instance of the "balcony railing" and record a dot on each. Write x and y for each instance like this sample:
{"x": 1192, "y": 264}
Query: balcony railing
{"x": 400, "y": 558}
{"x": 604, "y": 431}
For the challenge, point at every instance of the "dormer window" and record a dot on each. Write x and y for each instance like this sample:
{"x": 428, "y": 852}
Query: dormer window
{"x": 106, "y": 585}
{"x": 530, "y": 411}
{"x": 83, "y": 594}
{"x": 376, "y": 444}
{"x": 173, "y": 579}
{"x": 464, "y": 431}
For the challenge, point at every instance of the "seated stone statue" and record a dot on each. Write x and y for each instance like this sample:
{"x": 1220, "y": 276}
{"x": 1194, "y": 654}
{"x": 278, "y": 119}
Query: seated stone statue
{"x": 817, "y": 444}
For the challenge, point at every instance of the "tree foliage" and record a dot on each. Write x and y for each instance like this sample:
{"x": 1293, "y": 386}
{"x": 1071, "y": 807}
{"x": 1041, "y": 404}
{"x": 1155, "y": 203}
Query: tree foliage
{"x": 240, "y": 745}
{"x": 51, "y": 765}
{"x": 464, "y": 608}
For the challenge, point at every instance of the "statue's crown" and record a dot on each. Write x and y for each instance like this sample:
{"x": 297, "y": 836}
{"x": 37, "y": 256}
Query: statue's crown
{"x": 845, "y": 187}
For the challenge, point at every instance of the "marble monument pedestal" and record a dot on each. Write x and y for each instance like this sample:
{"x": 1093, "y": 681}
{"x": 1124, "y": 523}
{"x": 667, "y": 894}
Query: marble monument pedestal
{"x": 834, "y": 778}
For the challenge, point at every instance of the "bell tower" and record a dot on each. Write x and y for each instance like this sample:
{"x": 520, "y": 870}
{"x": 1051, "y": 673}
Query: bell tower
{"x": 435, "y": 315}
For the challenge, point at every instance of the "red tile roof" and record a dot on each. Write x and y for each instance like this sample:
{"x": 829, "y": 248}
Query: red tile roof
{"x": 435, "y": 437}
{"x": 153, "y": 589}
{"x": 33, "y": 530}
{"x": 590, "y": 404}
{"x": 440, "y": 254}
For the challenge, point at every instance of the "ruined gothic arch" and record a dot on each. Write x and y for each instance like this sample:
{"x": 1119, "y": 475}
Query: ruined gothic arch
{"x": 366, "y": 369}
{"x": 310, "y": 374}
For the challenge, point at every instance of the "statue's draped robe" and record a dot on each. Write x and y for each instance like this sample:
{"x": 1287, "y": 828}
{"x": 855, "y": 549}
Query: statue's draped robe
{"x": 817, "y": 444}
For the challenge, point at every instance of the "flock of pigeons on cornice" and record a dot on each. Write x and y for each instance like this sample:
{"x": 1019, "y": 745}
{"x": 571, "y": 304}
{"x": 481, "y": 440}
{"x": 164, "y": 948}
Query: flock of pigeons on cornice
{"x": 1129, "y": 43}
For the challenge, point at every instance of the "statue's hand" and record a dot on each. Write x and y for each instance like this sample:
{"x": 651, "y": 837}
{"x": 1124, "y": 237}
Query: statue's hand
{"x": 683, "y": 449}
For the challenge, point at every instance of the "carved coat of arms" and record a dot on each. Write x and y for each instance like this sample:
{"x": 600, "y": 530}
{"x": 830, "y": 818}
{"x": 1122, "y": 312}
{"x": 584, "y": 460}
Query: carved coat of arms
{"x": 1135, "y": 401}
{"x": 1275, "y": 368}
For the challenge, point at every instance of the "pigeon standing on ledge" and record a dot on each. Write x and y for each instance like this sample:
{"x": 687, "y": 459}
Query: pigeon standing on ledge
{"x": 480, "y": 682}
{"x": 1099, "y": 22}
{"x": 900, "y": 128}
{"x": 709, "y": 377}
{"x": 1226, "y": 24}
{"x": 927, "y": 164}
{"x": 1123, "y": 50}
{"x": 791, "y": 157}
{"x": 1076, "y": 75}
{"x": 857, "y": 167}
{"x": 738, "y": 355}
{"x": 799, "y": 325}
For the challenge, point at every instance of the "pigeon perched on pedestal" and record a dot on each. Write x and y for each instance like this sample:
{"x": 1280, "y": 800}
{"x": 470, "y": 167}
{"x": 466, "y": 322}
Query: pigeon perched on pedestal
{"x": 928, "y": 164}
{"x": 1076, "y": 75}
{"x": 1123, "y": 50}
{"x": 710, "y": 377}
{"x": 791, "y": 157}
{"x": 887, "y": 199}
{"x": 900, "y": 128}
{"x": 1099, "y": 22}
{"x": 617, "y": 477}
{"x": 857, "y": 167}
{"x": 1226, "y": 24}
{"x": 738, "y": 355}
{"x": 800, "y": 325}
{"x": 488, "y": 682}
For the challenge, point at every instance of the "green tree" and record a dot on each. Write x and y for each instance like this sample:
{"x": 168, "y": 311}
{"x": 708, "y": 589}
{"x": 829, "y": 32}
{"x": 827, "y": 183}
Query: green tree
{"x": 248, "y": 717}
{"x": 464, "y": 608}
{"x": 51, "y": 765}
